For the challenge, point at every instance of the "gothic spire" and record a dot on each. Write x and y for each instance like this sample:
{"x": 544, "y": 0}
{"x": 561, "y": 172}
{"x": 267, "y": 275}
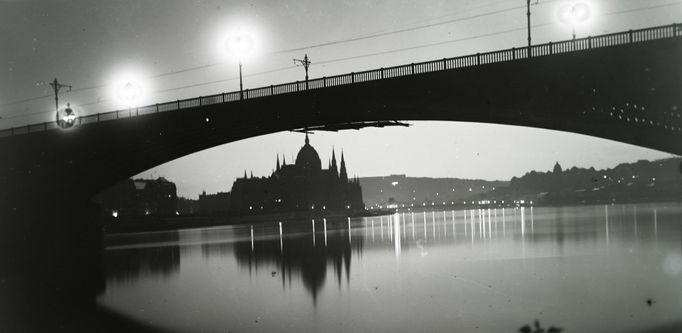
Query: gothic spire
{"x": 332, "y": 167}
{"x": 307, "y": 141}
{"x": 277, "y": 162}
{"x": 342, "y": 173}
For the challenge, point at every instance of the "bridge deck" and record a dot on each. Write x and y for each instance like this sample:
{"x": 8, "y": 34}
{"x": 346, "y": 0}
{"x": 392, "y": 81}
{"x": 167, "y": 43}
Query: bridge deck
{"x": 445, "y": 64}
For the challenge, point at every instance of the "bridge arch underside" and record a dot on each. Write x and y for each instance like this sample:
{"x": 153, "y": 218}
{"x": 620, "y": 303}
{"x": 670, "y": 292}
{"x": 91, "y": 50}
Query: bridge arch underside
{"x": 627, "y": 93}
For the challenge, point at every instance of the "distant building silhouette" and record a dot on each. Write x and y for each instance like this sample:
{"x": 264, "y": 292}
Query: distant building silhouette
{"x": 140, "y": 197}
{"x": 297, "y": 187}
{"x": 641, "y": 181}
{"x": 214, "y": 204}
{"x": 557, "y": 168}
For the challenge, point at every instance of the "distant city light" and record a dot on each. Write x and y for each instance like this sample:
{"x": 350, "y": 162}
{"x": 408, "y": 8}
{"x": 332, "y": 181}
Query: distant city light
{"x": 394, "y": 183}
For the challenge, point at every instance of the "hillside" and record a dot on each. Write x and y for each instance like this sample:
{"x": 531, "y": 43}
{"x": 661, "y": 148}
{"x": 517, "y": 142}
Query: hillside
{"x": 418, "y": 190}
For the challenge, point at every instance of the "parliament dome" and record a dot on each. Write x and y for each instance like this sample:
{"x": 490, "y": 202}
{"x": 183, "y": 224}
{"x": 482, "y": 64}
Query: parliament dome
{"x": 307, "y": 158}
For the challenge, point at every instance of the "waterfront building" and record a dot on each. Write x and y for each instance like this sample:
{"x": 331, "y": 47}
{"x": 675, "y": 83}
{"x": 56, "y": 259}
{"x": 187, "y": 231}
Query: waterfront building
{"x": 302, "y": 186}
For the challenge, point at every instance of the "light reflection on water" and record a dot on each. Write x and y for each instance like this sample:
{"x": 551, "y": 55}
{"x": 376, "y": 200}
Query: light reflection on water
{"x": 489, "y": 270}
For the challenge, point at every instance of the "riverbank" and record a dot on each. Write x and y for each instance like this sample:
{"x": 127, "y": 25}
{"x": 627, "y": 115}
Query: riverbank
{"x": 152, "y": 223}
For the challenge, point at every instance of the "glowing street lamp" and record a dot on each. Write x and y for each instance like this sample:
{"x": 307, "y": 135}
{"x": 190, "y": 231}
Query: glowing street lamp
{"x": 240, "y": 45}
{"x": 574, "y": 13}
{"x": 66, "y": 117}
{"x": 129, "y": 92}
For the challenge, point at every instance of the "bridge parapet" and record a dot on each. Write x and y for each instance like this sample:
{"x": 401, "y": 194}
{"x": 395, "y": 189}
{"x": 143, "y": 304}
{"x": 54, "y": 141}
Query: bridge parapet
{"x": 478, "y": 59}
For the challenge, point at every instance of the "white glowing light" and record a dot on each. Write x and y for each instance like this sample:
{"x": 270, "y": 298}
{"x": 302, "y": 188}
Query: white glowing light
{"x": 240, "y": 44}
{"x": 129, "y": 89}
{"x": 574, "y": 13}
{"x": 129, "y": 92}
{"x": 67, "y": 117}
{"x": 114, "y": 213}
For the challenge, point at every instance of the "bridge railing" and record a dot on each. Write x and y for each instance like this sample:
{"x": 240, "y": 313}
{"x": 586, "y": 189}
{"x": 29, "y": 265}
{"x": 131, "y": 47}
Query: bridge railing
{"x": 478, "y": 59}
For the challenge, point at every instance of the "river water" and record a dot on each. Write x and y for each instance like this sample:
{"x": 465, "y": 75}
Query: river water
{"x": 615, "y": 268}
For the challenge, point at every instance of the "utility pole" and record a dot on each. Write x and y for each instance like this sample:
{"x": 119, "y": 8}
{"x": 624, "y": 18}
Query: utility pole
{"x": 241, "y": 85}
{"x": 56, "y": 86}
{"x": 528, "y": 15}
{"x": 305, "y": 62}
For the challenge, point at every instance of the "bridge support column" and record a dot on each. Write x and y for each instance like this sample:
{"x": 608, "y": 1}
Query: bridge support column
{"x": 51, "y": 254}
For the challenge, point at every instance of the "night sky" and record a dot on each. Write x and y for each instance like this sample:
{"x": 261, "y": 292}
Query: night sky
{"x": 176, "y": 50}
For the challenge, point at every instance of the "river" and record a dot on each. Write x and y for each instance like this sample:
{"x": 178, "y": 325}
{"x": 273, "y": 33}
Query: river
{"x": 606, "y": 268}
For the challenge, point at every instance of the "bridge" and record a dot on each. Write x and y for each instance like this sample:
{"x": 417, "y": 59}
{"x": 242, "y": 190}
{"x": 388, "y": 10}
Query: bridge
{"x": 622, "y": 86}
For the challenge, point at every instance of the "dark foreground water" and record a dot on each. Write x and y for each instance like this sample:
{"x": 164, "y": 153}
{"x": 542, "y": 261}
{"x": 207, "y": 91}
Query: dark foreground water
{"x": 615, "y": 268}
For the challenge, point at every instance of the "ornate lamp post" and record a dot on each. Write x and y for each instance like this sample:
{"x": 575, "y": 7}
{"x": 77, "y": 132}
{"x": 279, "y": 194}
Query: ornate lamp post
{"x": 574, "y": 13}
{"x": 240, "y": 45}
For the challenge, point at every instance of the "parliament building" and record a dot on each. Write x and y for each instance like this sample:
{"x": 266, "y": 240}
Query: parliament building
{"x": 303, "y": 186}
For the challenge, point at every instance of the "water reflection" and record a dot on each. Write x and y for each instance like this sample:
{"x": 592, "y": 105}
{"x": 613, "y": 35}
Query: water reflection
{"x": 127, "y": 264}
{"x": 291, "y": 256}
{"x": 535, "y": 254}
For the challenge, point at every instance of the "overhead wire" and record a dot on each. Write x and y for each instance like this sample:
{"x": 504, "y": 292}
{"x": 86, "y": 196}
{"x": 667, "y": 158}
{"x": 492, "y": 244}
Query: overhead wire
{"x": 335, "y": 59}
{"x": 347, "y": 40}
